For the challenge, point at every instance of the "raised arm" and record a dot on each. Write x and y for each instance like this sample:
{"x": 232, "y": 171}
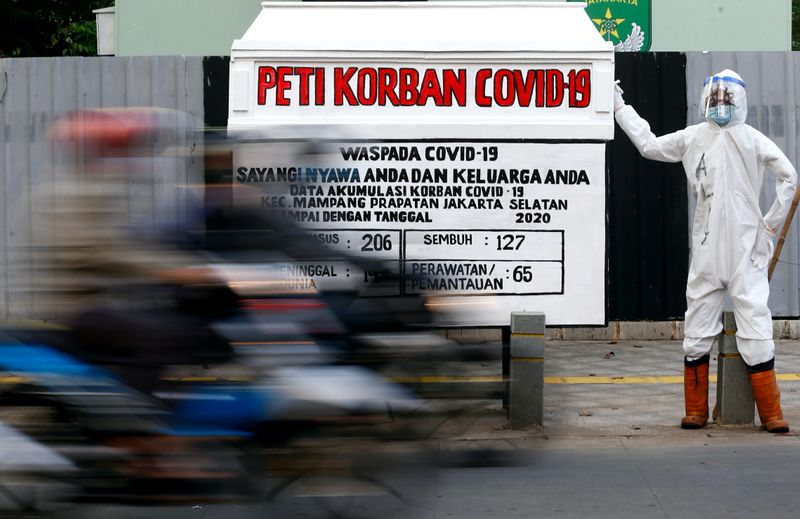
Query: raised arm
{"x": 667, "y": 148}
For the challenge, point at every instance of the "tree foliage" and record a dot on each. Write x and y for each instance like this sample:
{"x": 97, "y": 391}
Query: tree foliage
{"x": 48, "y": 27}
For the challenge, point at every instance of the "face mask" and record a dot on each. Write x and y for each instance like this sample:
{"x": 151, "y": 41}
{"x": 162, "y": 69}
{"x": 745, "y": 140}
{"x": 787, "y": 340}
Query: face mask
{"x": 720, "y": 114}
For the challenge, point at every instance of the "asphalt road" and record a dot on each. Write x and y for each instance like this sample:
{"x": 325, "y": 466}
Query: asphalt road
{"x": 740, "y": 475}
{"x": 610, "y": 447}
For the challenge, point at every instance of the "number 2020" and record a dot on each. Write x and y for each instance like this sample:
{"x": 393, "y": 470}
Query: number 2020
{"x": 533, "y": 218}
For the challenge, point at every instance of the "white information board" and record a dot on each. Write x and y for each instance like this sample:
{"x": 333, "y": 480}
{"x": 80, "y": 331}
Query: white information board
{"x": 478, "y": 173}
{"x": 497, "y": 218}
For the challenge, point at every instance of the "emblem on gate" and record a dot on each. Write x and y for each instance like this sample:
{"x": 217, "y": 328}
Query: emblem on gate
{"x": 625, "y": 23}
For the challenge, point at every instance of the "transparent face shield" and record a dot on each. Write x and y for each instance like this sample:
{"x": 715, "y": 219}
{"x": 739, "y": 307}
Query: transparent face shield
{"x": 718, "y": 100}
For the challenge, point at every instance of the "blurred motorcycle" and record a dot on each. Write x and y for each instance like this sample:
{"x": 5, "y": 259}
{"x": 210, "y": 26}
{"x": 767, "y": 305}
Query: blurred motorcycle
{"x": 238, "y": 385}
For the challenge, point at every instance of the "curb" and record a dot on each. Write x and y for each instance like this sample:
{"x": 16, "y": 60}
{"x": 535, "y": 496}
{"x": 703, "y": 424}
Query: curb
{"x": 614, "y": 331}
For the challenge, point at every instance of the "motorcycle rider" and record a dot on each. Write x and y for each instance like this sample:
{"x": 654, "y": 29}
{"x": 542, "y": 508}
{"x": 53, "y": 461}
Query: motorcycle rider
{"x": 112, "y": 283}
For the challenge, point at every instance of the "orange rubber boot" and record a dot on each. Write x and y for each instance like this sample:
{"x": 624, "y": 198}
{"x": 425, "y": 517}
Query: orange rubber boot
{"x": 695, "y": 393}
{"x": 768, "y": 401}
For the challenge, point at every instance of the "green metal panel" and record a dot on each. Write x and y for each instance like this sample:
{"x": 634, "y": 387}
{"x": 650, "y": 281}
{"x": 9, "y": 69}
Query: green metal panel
{"x": 626, "y": 23}
{"x": 722, "y": 25}
{"x": 208, "y": 27}
{"x": 690, "y": 25}
{"x": 182, "y": 27}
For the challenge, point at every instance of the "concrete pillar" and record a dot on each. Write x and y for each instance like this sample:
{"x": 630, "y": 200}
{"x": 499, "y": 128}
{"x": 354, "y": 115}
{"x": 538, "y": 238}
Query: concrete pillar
{"x": 526, "y": 370}
{"x": 735, "y": 403}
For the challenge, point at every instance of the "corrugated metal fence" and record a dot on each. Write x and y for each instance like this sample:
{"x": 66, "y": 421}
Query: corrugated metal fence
{"x": 648, "y": 247}
{"x": 650, "y": 207}
{"x": 773, "y": 98}
{"x": 33, "y": 93}
{"x": 648, "y": 219}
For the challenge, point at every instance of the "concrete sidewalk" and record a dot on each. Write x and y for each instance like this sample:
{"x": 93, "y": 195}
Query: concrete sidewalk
{"x": 620, "y": 389}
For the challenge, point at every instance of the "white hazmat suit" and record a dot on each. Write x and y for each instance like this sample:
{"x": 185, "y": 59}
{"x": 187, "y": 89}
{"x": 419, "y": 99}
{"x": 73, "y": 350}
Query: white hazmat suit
{"x": 731, "y": 240}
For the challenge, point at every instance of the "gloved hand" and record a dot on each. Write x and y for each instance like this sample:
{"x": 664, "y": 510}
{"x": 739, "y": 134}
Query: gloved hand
{"x": 618, "y": 101}
{"x": 763, "y": 249}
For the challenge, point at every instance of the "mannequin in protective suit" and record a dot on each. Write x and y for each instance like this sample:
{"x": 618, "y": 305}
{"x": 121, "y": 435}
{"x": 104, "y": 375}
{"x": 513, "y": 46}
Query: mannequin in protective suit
{"x": 725, "y": 160}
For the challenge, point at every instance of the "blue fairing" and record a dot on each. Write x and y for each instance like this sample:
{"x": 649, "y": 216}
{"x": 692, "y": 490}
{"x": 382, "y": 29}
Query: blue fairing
{"x": 33, "y": 358}
{"x": 206, "y": 411}
{"x": 229, "y": 407}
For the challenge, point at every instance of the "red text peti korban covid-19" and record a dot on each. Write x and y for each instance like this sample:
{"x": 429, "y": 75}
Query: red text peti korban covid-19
{"x": 287, "y": 85}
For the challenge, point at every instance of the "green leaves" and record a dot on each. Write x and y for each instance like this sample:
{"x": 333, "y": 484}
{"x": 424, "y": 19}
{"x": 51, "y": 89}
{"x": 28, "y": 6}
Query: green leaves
{"x": 48, "y": 27}
{"x": 76, "y": 39}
